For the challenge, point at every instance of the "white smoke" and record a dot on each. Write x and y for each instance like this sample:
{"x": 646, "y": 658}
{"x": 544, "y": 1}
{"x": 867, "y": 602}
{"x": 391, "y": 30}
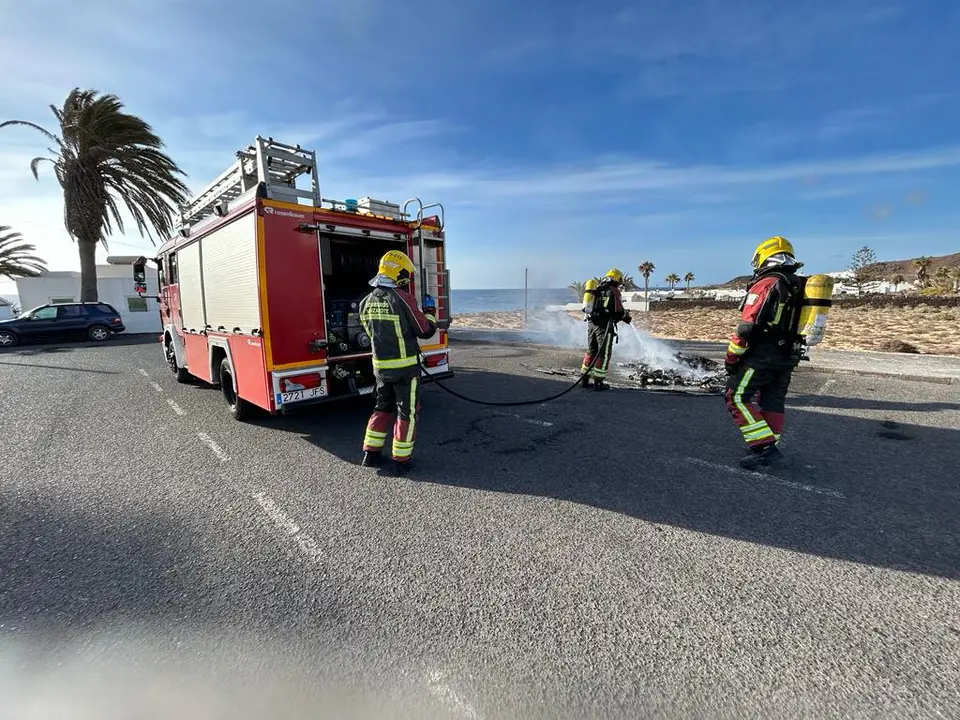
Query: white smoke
{"x": 633, "y": 345}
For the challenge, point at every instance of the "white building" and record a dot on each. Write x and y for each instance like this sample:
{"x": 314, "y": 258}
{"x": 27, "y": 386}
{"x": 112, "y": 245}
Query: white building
{"x": 115, "y": 286}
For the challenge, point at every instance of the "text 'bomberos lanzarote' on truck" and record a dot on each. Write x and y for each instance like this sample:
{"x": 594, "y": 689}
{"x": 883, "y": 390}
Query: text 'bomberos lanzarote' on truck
{"x": 260, "y": 288}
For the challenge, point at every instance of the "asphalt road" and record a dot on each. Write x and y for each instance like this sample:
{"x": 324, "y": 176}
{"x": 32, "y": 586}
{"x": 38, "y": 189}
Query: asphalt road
{"x": 599, "y": 556}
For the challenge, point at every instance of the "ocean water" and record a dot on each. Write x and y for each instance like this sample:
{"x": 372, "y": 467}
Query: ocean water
{"x": 474, "y": 301}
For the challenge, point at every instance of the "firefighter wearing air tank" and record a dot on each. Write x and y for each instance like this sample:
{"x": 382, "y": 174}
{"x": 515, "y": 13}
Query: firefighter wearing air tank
{"x": 604, "y": 309}
{"x": 394, "y": 322}
{"x": 781, "y": 314}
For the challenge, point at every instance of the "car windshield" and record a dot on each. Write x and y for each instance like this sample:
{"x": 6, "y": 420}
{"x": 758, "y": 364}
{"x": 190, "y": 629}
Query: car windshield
{"x": 29, "y": 312}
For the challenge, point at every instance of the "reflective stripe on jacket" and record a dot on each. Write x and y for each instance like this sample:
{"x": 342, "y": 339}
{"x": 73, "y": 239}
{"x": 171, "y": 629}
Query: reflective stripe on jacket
{"x": 394, "y": 322}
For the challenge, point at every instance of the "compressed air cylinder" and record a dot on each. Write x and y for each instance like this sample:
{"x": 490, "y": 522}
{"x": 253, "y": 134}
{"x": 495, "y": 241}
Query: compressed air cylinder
{"x": 817, "y": 300}
{"x": 588, "y": 295}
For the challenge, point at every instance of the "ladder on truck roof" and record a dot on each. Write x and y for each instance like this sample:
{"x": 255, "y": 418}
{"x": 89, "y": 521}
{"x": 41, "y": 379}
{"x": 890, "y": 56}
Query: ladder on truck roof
{"x": 274, "y": 164}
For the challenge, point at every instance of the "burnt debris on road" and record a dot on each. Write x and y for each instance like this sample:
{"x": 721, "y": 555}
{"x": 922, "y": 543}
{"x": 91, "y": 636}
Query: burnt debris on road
{"x": 695, "y": 372}
{"x": 691, "y": 374}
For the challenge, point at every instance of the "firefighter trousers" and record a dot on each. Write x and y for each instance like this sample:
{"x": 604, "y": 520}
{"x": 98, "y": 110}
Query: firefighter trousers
{"x": 755, "y": 398}
{"x": 397, "y": 404}
{"x": 600, "y": 348}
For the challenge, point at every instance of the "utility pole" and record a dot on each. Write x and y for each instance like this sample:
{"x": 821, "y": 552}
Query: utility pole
{"x": 525, "y": 273}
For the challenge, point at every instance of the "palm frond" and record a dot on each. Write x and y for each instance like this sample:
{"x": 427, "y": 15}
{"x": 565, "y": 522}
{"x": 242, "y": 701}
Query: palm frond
{"x": 36, "y": 162}
{"x": 27, "y": 123}
{"x": 16, "y": 257}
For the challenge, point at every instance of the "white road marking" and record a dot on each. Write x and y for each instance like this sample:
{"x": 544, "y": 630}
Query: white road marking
{"x": 449, "y": 697}
{"x": 176, "y": 408}
{"x": 825, "y": 386}
{"x": 307, "y": 544}
{"x": 532, "y": 421}
{"x": 763, "y": 476}
{"x": 156, "y": 386}
{"x": 216, "y": 449}
{"x": 143, "y": 372}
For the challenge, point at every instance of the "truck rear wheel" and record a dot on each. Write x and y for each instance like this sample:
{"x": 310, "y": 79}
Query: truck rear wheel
{"x": 239, "y": 408}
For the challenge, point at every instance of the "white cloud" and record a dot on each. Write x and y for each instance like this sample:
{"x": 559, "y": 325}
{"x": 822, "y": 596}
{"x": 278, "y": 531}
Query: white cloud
{"x": 647, "y": 175}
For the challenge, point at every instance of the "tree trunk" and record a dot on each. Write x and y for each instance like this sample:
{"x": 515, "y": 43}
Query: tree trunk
{"x": 88, "y": 271}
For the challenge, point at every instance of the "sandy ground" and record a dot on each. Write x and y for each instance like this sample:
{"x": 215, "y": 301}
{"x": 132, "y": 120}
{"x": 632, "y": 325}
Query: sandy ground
{"x": 929, "y": 330}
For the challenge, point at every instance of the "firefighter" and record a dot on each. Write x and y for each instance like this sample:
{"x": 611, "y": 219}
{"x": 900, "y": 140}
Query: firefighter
{"x": 603, "y": 313}
{"x": 762, "y": 353}
{"x": 394, "y": 322}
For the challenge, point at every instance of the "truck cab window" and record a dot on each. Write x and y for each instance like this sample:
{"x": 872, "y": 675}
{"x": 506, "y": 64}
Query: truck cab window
{"x": 173, "y": 268}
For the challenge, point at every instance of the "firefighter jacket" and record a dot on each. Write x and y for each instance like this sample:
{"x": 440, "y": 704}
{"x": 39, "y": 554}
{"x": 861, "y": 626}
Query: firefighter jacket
{"x": 607, "y": 305}
{"x": 394, "y": 322}
{"x": 766, "y": 336}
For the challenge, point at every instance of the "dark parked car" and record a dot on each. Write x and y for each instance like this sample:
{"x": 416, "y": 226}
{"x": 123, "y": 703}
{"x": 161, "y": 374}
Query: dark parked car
{"x": 60, "y": 321}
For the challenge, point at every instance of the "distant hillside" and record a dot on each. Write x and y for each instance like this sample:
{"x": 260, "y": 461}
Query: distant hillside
{"x": 884, "y": 270}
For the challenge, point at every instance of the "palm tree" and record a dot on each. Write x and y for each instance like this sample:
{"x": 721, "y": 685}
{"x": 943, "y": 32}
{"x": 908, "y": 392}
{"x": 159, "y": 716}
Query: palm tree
{"x": 922, "y": 263}
{"x": 16, "y": 257}
{"x": 105, "y": 157}
{"x": 944, "y": 279}
{"x": 672, "y": 280}
{"x": 646, "y": 269}
{"x": 689, "y": 278}
{"x": 576, "y": 287}
{"x": 628, "y": 282}
{"x": 897, "y": 281}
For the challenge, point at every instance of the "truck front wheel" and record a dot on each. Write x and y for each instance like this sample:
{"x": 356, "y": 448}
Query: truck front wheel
{"x": 239, "y": 408}
{"x": 181, "y": 374}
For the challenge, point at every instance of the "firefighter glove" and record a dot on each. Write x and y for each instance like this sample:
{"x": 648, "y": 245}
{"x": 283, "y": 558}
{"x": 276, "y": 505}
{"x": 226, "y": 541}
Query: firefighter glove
{"x": 429, "y": 302}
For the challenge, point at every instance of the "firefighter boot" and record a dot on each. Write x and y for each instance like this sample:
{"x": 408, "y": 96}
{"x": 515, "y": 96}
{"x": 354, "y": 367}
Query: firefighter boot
{"x": 401, "y": 468}
{"x": 372, "y": 459}
{"x": 585, "y": 382}
{"x": 599, "y": 384}
{"x": 768, "y": 456}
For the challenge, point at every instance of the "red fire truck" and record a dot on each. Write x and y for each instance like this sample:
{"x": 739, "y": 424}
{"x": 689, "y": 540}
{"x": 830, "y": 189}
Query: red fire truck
{"x": 260, "y": 287}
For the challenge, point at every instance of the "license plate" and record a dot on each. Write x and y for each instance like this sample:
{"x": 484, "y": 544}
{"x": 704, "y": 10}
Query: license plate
{"x": 298, "y": 395}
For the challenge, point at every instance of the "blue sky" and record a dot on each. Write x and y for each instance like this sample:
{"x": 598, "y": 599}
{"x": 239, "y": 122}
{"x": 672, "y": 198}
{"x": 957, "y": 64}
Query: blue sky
{"x": 567, "y": 137}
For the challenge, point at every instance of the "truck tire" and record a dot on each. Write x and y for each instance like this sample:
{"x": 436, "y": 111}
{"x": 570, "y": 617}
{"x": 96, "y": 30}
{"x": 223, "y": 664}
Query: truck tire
{"x": 180, "y": 373}
{"x": 8, "y": 339}
{"x": 98, "y": 333}
{"x": 239, "y": 408}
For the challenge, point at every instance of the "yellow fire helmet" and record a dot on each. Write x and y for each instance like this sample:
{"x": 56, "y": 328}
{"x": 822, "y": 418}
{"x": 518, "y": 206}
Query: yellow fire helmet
{"x": 769, "y": 249}
{"x": 395, "y": 269}
{"x": 614, "y": 275}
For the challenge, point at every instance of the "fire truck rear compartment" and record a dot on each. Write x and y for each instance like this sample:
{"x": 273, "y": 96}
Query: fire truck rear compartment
{"x": 348, "y": 266}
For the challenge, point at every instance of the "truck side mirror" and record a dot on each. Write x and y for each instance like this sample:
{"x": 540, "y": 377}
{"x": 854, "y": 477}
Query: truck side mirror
{"x": 140, "y": 275}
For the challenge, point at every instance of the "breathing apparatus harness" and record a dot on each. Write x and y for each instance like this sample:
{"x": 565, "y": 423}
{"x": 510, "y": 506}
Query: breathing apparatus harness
{"x": 788, "y": 331}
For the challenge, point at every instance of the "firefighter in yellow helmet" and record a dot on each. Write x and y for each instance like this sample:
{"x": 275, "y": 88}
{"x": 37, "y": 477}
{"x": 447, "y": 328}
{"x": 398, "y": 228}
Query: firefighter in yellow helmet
{"x": 391, "y": 317}
{"x": 604, "y": 311}
{"x": 762, "y": 353}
